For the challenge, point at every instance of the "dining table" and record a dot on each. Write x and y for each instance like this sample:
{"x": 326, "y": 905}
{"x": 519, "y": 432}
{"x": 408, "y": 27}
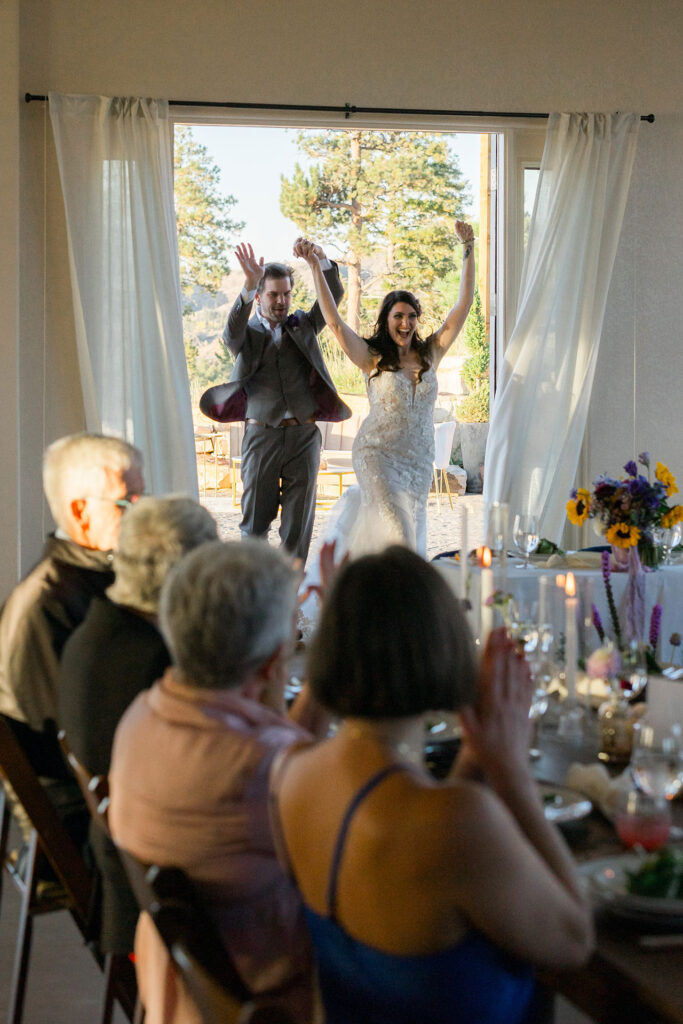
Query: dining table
{"x": 624, "y": 981}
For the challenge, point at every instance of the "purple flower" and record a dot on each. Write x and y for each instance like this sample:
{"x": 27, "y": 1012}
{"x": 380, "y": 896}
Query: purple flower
{"x": 655, "y": 624}
{"x": 597, "y": 622}
{"x": 631, "y": 468}
{"x": 644, "y": 459}
{"x": 605, "y": 556}
{"x": 292, "y": 320}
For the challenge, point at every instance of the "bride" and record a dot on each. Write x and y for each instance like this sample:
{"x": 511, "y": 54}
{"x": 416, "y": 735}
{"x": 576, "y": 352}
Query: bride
{"x": 393, "y": 452}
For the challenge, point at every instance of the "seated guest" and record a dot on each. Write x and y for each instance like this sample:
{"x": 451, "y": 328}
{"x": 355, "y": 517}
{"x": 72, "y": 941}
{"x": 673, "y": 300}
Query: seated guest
{"x": 88, "y": 480}
{"x": 190, "y": 766}
{"x": 117, "y": 650}
{"x": 426, "y": 901}
{"x": 115, "y": 653}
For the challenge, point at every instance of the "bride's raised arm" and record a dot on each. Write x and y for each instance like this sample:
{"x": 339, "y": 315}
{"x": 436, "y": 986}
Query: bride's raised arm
{"x": 453, "y": 324}
{"x": 355, "y": 347}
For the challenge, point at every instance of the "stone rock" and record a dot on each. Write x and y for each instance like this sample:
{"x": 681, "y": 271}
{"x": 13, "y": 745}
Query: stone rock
{"x": 473, "y": 446}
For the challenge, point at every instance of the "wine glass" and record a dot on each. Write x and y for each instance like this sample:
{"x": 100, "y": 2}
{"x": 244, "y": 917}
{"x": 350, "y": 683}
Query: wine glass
{"x": 525, "y": 536}
{"x": 633, "y": 674}
{"x": 671, "y": 539}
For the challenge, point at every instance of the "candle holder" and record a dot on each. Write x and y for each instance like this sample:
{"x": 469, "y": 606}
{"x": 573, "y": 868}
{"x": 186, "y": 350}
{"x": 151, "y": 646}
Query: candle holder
{"x": 570, "y": 725}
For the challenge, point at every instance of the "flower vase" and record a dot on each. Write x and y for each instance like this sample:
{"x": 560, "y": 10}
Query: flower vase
{"x": 647, "y": 552}
{"x": 620, "y": 558}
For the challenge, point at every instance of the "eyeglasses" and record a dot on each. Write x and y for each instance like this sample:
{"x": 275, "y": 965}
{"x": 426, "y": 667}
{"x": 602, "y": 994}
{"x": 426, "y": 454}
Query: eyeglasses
{"x": 122, "y": 503}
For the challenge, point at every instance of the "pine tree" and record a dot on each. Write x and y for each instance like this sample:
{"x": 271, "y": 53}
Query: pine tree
{"x": 474, "y": 408}
{"x": 205, "y": 228}
{"x": 392, "y": 194}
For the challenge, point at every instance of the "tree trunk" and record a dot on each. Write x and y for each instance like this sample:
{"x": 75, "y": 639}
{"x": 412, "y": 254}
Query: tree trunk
{"x": 353, "y": 293}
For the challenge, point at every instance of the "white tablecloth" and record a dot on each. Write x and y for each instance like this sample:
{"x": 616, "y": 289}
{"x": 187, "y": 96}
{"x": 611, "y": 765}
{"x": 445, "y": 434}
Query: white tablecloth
{"x": 663, "y": 586}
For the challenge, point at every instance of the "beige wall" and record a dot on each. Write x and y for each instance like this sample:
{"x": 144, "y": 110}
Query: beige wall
{"x": 536, "y": 55}
{"x": 9, "y": 287}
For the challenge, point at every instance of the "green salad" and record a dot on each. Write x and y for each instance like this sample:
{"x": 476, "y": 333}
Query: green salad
{"x": 660, "y": 876}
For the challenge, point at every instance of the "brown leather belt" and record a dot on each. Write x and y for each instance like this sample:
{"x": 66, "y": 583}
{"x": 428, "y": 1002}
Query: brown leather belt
{"x": 290, "y": 421}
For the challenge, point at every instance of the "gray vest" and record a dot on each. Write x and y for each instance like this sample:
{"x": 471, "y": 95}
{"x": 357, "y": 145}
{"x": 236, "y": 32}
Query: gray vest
{"x": 280, "y": 384}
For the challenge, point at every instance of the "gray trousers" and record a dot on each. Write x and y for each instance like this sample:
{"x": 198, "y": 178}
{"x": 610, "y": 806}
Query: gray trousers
{"x": 279, "y": 469}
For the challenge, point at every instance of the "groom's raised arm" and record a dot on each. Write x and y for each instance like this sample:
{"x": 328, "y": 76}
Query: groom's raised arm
{"x": 235, "y": 331}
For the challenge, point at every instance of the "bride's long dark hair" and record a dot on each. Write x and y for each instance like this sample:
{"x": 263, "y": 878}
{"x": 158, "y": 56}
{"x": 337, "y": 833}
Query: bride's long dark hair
{"x": 383, "y": 345}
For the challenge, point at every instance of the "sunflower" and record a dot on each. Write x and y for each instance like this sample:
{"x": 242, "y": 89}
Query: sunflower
{"x": 579, "y": 507}
{"x": 623, "y": 535}
{"x": 665, "y": 476}
{"x": 673, "y": 516}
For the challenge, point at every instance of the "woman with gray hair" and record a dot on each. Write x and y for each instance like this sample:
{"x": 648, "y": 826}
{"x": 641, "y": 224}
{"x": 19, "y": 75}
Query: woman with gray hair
{"x": 116, "y": 652}
{"x": 189, "y": 778}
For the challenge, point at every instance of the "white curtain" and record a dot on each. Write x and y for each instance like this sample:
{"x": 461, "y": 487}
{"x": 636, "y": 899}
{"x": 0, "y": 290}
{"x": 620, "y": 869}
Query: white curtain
{"x": 545, "y": 379}
{"x": 115, "y": 164}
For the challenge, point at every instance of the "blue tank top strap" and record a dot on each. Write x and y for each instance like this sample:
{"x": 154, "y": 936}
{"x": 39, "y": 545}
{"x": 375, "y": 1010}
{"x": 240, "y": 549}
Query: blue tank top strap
{"x": 338, "y": 851}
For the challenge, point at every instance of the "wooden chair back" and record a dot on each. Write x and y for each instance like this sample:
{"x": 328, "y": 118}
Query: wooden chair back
{"x": 195, "y": 945}
{"x": 95, "y": 788}
{"x": 48, "y": 844}
{"x": 53, "y": 840}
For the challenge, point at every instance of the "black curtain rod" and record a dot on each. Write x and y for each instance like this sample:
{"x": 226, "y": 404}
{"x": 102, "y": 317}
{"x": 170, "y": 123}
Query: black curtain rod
{"x": 348, "y": 109}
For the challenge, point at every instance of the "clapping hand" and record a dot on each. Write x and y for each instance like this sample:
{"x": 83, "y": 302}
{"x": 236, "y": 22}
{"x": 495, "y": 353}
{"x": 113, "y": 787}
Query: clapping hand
{"x": 328, "y": 571}
{"x": 464, "y": 232}
{"x": 497, "y": 727}
{"x": 251, "y": 267}
{"x": 306, "y": 250}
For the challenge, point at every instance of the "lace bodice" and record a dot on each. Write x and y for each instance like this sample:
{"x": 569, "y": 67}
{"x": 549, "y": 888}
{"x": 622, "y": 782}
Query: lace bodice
{"x": 400, "y": 421}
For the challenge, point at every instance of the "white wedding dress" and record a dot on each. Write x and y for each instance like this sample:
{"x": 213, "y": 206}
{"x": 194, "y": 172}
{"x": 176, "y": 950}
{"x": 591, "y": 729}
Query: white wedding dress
{"x": 393, "y": 457}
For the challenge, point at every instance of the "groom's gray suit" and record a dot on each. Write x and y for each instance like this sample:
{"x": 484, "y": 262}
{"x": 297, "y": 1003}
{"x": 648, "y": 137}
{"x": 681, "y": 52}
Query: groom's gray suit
{"x": 280, "y": 456}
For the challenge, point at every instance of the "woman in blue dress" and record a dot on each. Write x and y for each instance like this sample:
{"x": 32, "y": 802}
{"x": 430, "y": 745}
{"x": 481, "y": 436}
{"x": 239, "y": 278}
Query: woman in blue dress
{"x": 426, "y": 901}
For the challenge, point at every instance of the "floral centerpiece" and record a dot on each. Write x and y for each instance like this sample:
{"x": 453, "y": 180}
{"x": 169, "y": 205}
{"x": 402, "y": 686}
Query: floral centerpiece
{"x": 627, "y": 510}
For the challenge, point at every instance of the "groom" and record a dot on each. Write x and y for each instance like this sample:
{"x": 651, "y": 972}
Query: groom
{"x": 280, "y": 386}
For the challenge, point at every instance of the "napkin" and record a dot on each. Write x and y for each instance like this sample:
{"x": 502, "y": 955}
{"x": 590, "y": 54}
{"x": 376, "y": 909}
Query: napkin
{"x": 594, "y": 781}
{"x": 572, "y": 560}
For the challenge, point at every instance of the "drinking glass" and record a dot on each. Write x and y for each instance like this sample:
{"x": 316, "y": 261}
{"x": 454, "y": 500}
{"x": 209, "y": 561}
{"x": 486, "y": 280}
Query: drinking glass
{"x": 672, "y": 538}
{"x": 525, "y": 536}
{"x": 666, "y": 539}
{"x": 657, "y": 760}
{"x": 498, "y": 526}
{"x": 642, "y": 820}
{"x": 633, "y": 673}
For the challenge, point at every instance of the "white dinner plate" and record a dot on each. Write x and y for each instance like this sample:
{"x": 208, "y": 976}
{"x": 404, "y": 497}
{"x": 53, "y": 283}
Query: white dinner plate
{"x": 606, "y": 881}
{"x": 562, "y": 805}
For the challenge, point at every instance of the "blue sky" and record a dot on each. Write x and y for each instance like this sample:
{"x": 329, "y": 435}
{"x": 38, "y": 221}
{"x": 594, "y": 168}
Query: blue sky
{"x": 251, "y": 162}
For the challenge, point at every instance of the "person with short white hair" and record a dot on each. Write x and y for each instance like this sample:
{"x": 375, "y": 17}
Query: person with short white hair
{"x": 190, "y": 765}
{"x": 115, "y": 653}
{"x": 89, "y": 481}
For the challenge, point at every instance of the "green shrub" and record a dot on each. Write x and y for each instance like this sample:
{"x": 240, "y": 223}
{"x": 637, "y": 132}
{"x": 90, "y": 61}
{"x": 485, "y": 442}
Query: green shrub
{"x": 474, "y": 408}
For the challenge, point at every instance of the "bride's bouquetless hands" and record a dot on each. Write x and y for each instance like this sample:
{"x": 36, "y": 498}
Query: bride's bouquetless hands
{"x": 307, "y": 250}
{"x": 464, "y": 232}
